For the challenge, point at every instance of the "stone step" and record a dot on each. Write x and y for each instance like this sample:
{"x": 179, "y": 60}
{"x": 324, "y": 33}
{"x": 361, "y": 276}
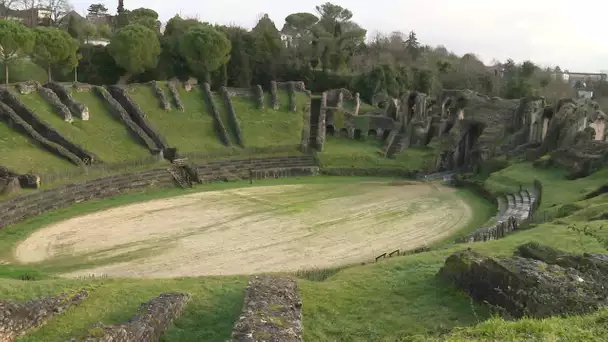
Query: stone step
{"x": 502, "y": 205}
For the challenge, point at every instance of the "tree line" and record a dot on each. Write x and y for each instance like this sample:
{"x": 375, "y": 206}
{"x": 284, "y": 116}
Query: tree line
{"x": 324, "y": 48}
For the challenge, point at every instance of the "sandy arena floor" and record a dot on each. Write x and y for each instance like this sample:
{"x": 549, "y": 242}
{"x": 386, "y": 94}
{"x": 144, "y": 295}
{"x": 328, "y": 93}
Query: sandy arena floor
{"x": 250, "y": 230}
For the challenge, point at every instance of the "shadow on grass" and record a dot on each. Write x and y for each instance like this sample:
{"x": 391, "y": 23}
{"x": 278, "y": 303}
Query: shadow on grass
{"x": 208, "y": 321}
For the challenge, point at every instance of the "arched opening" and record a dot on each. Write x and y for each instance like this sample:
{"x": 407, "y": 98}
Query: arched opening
{"x": 411, "y": 106}
{"x": 448, "y": 128}
{"x": 330, "y": 130}
{"x": 357, "y": 134}
{"x": 546, "y": 121}
{"x": 372, "y": 133}
{"x": 535, "y": 132}
{"x": 386, "y": 134}
{"x": 344, "y": 132}
{"x": 445, "y": 107}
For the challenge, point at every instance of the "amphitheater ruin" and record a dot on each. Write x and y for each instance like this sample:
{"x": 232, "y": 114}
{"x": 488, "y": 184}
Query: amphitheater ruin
{"x": 266, "y": 227}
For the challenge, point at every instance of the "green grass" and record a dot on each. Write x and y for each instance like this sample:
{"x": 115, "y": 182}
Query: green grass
{"x": 218, "y": 99}
{"x": 342, "y": 152}
{"x": 102, "y": 134}
{"x": 189, "y": 131}
{"x": 393, "y": 300}
{"x": 215, "y": 305}
{"x": 267, "y": 127}
{"x": 20, "y": 153}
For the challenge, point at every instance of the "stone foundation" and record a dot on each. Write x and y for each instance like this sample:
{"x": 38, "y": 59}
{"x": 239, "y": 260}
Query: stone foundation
{"x": 18, "y": 318}
{"x": 151, "y": 321}
{"x": 272, "y": 311}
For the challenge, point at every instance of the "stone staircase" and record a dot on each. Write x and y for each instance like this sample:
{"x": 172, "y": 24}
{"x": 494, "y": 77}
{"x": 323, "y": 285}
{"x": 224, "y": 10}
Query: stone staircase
{"x": 395, "y": 144}
{"x": 513, "y": 209}
{"x": 184, "y": 174}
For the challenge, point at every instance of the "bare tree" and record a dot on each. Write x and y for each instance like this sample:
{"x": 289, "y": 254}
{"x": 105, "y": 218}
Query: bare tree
{"x": 6, "y": 6}
{"x": 56, "y": 8}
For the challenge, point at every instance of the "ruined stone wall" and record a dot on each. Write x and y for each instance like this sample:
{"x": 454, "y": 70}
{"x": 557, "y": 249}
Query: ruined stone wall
{"x": 44, "y": 129}
{"x": 160, "y": 96}
{"x": 137, "y": 115}
{"x": 121, "y": 114}
{"x": 19, "y": 318}
{"x": 234, "y": 121}
{"x": 177, "y": 101}
{"x": 220, "y": 128}
{"x": 61, "y": 109}
{"x": 538, "y": 281}
{"x": 272, "y": 311}
{"x": 31, "y": 204}
{"x": 7, "y": 114}
{"x": 78, "y": 109}
{"x": 151, "y": 321}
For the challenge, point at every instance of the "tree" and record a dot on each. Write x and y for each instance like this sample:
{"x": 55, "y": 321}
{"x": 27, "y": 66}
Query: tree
{"x": 75, "y": 27}
{"x": 97, "y": 10}
{"x": 205, "y": 49}
{"x": 239, "y": 66}
{"x": 16, "y": 40}
{"x": 104, "y": 31}
{"x": 57, "y": 9}
{"x": 135, "y": 48}
{"x": 53, "y": 47}
{"x": 173, "y": 64}
{"x": 6, "y": 6}
{"x": 145, "y": 17}
{"x": 412, "y": 46}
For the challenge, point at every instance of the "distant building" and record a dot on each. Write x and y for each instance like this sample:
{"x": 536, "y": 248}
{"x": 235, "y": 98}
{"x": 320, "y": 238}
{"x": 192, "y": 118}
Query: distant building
{"x": 585, "y": 94}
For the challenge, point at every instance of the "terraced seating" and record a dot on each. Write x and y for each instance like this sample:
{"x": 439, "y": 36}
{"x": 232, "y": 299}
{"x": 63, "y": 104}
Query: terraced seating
{"x": 513, "y": 209}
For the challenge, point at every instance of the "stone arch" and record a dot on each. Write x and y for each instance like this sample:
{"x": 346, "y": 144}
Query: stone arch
{"x": 411, "y": 105}
{"x": 445, "y": 107}
{"x": 535, "y": 132}
{"x": 330, "y": 129}
{"x": 357, "y": 134}
{"x": 372, "y": 133}
{"x": 343, "y": 132}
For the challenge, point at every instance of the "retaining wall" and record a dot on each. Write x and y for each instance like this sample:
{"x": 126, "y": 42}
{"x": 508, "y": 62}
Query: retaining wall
{"x": 32, "y": 204}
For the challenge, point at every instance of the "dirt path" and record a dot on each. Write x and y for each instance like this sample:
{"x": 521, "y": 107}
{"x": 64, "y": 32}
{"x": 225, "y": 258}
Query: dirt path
{"x": 250, "y": 230}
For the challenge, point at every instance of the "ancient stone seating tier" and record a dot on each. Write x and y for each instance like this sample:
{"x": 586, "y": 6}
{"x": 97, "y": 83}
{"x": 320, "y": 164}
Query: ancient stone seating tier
{"x": 513, "y": 209}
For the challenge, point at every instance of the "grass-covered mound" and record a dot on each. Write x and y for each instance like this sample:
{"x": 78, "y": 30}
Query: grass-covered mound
{"x": 102, "y": 134}
{"x": 22, "y": 154}
{"x": 191, "y": 130}
{"x": 264, "y": 128}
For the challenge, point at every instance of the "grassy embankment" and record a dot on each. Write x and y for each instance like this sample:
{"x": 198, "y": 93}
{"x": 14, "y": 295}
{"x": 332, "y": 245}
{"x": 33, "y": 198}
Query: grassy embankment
{"x": 102, "y": 134}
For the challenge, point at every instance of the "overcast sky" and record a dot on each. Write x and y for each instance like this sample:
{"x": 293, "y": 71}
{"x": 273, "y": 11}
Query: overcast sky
{"x": 569, "y": 33}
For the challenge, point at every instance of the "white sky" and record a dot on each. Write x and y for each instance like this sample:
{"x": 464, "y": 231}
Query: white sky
{"x": 570, "y": 33}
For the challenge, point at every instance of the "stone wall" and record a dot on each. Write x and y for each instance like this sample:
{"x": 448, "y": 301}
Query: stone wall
{"x": 32, "y": 204}
{"x": 137, "y": 115}
{"x": 177, "y": 101}
{"x": 45, "y": 129}
{"x": 220, "y": 127}
{"x": 116, "y": 109}
{"x": 272, "y": 311}
{"x": 538, "y": 281}
{"x": 78, "y": 109}
{"x": 7, "y": 114}
{"x": 274, "y": 97}
{"x": 17, "y": 319}
{"x": 49, "y": 96}
{"x": 151, "y": 321}
{"x": 160, "y": 96}
{"x": 234, "y": 121}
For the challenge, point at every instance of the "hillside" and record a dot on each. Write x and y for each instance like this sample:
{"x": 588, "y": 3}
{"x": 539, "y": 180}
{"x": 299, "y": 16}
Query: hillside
{"x": 102, "y": 134}
{"x": 21, "y": 154}
{"x": 265, "y": 128}
{"x": 190, "y": 131}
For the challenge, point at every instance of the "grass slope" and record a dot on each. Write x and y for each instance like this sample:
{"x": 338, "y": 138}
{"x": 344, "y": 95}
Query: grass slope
{"x": 189, "y": 131}
{"x": 21, "y": 153}
{"x": 342, "y": 152}
{"x": 268, "y": 127}
{"x": 102, "y": 134}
